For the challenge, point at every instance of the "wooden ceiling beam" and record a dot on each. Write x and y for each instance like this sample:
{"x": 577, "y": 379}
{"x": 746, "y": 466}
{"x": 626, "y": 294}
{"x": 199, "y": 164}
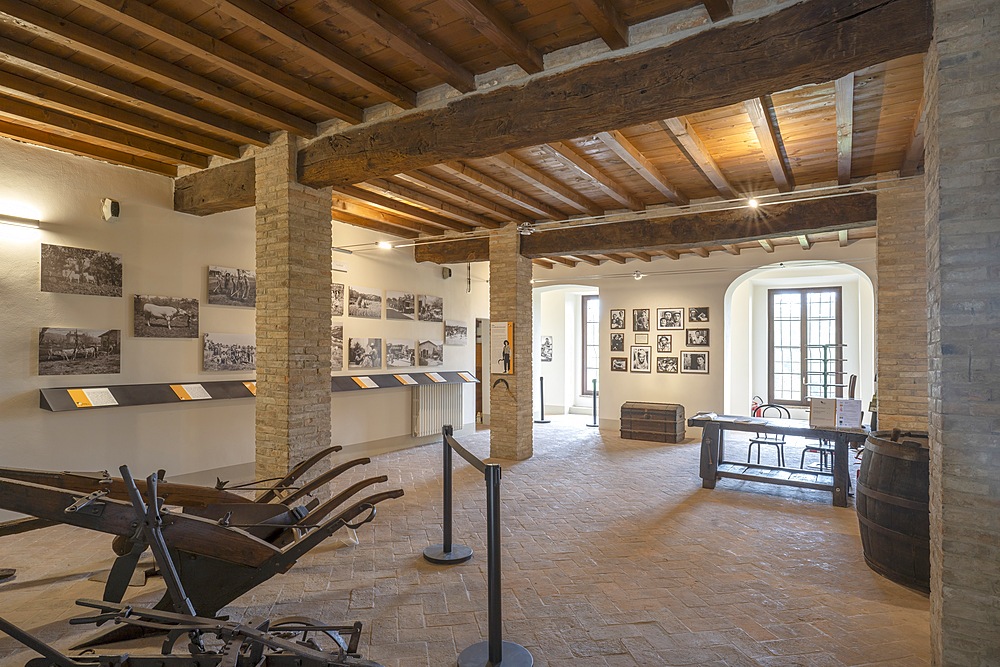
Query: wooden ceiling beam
{"x": 845, "y": 126}
{"x": 616, "y": 258}
{"x": 544, "y": 263}
{"x": 203, "y": 46}
{"x": 569, "y": 158}
{"x": 446, "y": 189}
{"x": 26, "y": 57}
{"x": 765, "y": 126}
{"x": 681, "y": 129}
{"x": 63, "y": 32}
{"x": 396, "y": 226}
{"x": 587, "y": 259}
{"x": 644, "y": 256}
{"x": 490, "y": 184}
{"x": 731, "y": 248}
{"x": 718, "y": 9}
{"x": 398, "y": 190}
{"x": 605, "y": 19}
{"x": 394, "y": 206}
{"x": 843, "y": 236}
{"x": 804, "y": 241}
{"x": 84, "y": 107}
{"x": 672, "y": 254}
{"x": 494, "y": 26}
{"x": 399, "y": 37}
{"x": 766, "y": 245}
{"x": 700, "y": 251}
{"x": 272, "y": 23}
{"x": 371, "y": 213}
{"x": 914, "y": 155}
{"x": 224, "y": 188}
{"x": 564, "y": 261}
{"x": 822, "y": 40}
{"x": 550, "y": 186}
{"x": 631, "y": 156}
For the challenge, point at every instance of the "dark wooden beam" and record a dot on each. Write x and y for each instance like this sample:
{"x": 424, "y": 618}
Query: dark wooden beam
{"x": 810, "y": 42}
{"x": 224, "y": 188}
{"x": 494, "y": 26}
{"x": 454, "y": 252}
{"x": 606, "y": 20}
{"x": 845, "y": 126}
{"x": 718, "y": 9}
{"x": 765, "y": 126}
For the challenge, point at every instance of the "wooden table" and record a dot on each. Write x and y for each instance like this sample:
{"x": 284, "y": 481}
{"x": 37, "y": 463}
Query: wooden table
{"x": 714, "y": 465}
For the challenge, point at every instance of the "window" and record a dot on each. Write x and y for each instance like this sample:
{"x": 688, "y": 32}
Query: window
{"x": 805, "y": 344}
{"x": 591, "y": 308}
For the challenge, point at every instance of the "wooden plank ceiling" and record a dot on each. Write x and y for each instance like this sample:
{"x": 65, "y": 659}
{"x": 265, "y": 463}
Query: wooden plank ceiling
{"x": 154, "y": 84}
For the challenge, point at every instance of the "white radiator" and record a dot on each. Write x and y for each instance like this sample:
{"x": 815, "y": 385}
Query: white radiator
{"x": 435, "y": 405}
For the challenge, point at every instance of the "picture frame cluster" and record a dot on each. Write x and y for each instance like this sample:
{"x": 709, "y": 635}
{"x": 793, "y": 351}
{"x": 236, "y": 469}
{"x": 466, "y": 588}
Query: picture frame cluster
{"x": 641, "y": 358}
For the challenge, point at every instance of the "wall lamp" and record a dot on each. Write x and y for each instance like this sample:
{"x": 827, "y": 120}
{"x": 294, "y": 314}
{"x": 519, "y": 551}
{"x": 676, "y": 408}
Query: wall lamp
{"x": 20, "y": 222}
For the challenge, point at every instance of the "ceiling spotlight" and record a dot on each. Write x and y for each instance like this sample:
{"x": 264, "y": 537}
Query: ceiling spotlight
{"x": 384, "y": 245}
{"x": 753, "y": 203}
{"x": 525, "y": 229}
{"x": 638, "y": 275}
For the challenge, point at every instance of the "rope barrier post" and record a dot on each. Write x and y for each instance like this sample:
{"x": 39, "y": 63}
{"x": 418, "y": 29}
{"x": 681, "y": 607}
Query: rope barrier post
{"x": 595, "y": 424}
{"x": 541, "y": 395}
{"x": 447, "y": 553}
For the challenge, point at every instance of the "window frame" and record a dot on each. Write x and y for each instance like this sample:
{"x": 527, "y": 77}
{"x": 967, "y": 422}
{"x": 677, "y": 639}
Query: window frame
{"x": 584, "y": 301}
{"x": 838, "y": 358}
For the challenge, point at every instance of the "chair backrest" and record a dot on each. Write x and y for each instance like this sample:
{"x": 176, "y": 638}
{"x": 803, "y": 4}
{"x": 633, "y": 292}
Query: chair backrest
{"x": 774, "y": 411}
{"x": 852, "y": 384}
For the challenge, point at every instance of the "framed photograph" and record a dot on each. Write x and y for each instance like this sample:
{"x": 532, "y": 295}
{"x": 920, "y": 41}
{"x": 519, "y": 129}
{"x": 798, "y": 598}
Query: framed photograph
{"x": 669, "y": 318}
{"x": 430, "y": 353}
{"x": 456, "y": 333}
{"x": 400, "y": 353}
{"x": 640, "y": 319}
{"x": 430, "y": 308}
{"x": 79, "y": 351}
{"x": 232, "y": 287}
{"x": 336, "y": 347}
{"x": 617, "y": 342}
{"x": 619, "y": 364}
{"x": 698, "y": 314}
{"x": 364, "y": 302}
{"x": 666, "y": 364}
{"x": 641, "y": 358}
{"x": 165, "y": 317}
{"x": 696, "y": 337}
{"x": 664, "y": 343}
{"x": 336, "y": 300}
{"x": 80, "y": 271}
{"x": 694, "y": 362}
{"x": 642, "y": 339}
{"x": 546, "y": 348}
{"x": 229, "y": 352}
{"x": 400, "y": 305}
{"x": 364, "y": 353}
{"x": 618, "y": 318}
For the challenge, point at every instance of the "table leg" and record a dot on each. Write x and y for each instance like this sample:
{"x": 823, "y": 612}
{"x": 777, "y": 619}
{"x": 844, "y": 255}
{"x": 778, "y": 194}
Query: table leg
{"x": 841, "y": 471}
{"x": 710, "y": 437}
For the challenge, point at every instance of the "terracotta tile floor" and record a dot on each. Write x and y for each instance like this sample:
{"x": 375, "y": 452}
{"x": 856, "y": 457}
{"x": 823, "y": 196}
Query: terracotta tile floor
{"x": 613, "y": 556}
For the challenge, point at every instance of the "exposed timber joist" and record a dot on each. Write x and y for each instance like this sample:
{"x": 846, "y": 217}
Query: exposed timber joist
{"x": 579, "y": 164}
{"x": 616, "y": 258}
{"x": 606, "y": 20}
{"x": 544, "y": 263}
{"x": 698, "y": 153}
{"x": 399, "y": 190}
{"x": 843, "y": 236}
{"x": 587, "y": 259}
{"x": 492, "y": 25}
{"x": 564, "y": 261}
{"x": 731, "y": 249}
{"x": 765, "y": 126}
{"x": 766, "y": 245}
{"x": 810, "y": 42}
{"x": 631, "y": 156}
{"x": 224, "y": 188}
{"x": 461, "y": 195}
{"x": 914, "y": 156}
{"x": 718, "y": 9}
{"x": 845, "y": 126}
{"x": 701, "y": 252}
{"x": 502, "y": 190}
{"x": 537, "y": 179}
{"x": 395, "y": 206}
{"x": 346, "y": 211}
{"x": 804, "y": 241}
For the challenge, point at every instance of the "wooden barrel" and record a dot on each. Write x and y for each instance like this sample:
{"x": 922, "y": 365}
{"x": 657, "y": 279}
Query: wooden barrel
{"x": 892, "y": 503}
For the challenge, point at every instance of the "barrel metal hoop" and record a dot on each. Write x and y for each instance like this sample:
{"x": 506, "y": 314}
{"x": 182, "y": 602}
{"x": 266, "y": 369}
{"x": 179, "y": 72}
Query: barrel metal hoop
{"x": 892, "y": 500}
{"x": 895, "y": 533}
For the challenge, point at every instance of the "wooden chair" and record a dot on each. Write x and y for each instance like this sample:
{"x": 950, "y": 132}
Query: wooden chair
{"x": 772, "y": 411}
{"x": 824, "y": 448}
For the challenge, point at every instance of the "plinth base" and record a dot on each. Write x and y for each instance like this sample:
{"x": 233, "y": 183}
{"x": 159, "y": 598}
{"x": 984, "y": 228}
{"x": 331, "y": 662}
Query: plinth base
{"x": 593, "y": 425}
{"x": 478, "y": 655}
{"x": 543, "y": 421}
{"x": 459, "y": 553}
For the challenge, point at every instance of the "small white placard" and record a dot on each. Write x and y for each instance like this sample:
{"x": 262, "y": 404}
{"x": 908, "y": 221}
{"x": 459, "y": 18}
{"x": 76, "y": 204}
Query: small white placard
{"x": 100, "y": 396}
{"x": 196, "y": 392}
{"x": 436, "y": 377}
{"x": 405, "y": 379}
{"x": 365, "y": 382}
{"x": 468, "y": 377}
{"x": 835, "y": 413}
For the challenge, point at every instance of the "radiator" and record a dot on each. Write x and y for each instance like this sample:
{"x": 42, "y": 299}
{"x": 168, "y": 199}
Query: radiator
{"x": 435, "y": 405}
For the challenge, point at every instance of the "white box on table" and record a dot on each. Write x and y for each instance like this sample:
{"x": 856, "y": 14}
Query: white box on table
{"x": 835, "y": 413}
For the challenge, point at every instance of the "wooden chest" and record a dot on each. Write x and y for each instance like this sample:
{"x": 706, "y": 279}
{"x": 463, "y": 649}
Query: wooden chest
{"x": 658, "y": 422}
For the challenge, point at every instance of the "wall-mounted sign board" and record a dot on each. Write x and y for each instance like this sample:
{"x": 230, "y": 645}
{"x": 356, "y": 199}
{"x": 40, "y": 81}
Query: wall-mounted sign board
{"x": 390, "y": 380}
{"x": 66, "y": 399}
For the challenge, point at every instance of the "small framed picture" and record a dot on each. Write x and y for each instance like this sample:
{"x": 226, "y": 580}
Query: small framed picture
{"x": 698, "y": 314}
{"x": 664, "y": 344}
{"x": 619, "y": 364}
{"x": 618, "y": 318}
{"x": 694, "y": 362}
{"x": 617, "y": 342}
{"x": 666, "y": 364}
{"x": 640, "y": 319}
{"x": 642, "y": 339}
{"x": 641, "y": 358}
{"x": 669, "y": 318}
{"x": 696, "y": 337}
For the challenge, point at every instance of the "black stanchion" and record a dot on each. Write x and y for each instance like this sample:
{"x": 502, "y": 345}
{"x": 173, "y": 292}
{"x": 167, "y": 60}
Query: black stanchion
{"x": 446, "y": 552}
{"x": 595, "y": 424}
{"x": 541, "y": 396}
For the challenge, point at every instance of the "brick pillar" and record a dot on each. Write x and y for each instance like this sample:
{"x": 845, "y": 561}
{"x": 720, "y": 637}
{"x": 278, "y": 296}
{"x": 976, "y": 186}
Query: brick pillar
{"x": 293, "y": 312}
{"x": 963, "y": 249}
{"x": 901, "y": 259}
{"x": 510, "y": 301}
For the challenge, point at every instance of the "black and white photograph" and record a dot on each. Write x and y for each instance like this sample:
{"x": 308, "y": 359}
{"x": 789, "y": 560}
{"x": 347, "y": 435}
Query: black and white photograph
{"x": 165, "y": 317}
{"x": 664, "y": 343}
{"x": 696, "y": 337}
{"x": 640, "y": 319}
{"x": 336, "y": 300}
{"x": 619, "y": 364}
{"x": 79, "y": 351}
{"x": 694, "y": 362}
{"x": 229, "y": 352}
{"x": 232, "y": 287}
{"x": 400, "y": 305}
{"x": 698, "y": 314}
{"x": 364, "y": 353}
{"x": 456, "y": 332}
{"x": 641, "y": 339}
{"x": 336, "y": 347}
{"x": 430, "y": 353}
{"x": 669, "y": 318}
{"x": 617, "y": 342}
{"x": 546, "y": 348}
{"x": 618, "y": 318}
{"x": 641, "y": 358}
{"x": 430, "y": 308}
{"x": 666, "y": 364}
{"x": 364, "y": 302}
{"x": 80, "y": 271}
{"x": 400, "y": 353}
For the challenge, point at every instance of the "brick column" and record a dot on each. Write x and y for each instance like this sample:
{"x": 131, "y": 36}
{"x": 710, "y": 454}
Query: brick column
{"x": 963, "y": 249}
{"x": 510, "y": 301}
{"x": 293, "y": 312}
{"x": 901, "y": 258}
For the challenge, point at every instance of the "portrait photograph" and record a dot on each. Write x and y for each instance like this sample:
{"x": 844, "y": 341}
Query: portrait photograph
{"x": 229, "y": 352}
{"x": 619, "y": 364}
{"x": 364, "y": 302}
{"x": 430, "y": 353}
{"x": 232, "y": 287}
{"x": 165, "y": 317}
{"x": 698, "y": 314}
{"x": 400, "y": 353}
{"x": 617, "y": 342}
{"x": 400, "y": 305}
{"x": 364, "y": 353}
{"x": 640, "y": 319}
{"x": 618, "y": 318}
{"x": 546, "y": 348}
{"x": 696, "y": 337}
{"x": 664, "y": 343}
{"x": 430, "y": 308}
{"x": 336, "y": 300}
{"x": 456, "y": 332}
{"x": 336, "y": 347}
{"x": 79, "y": 351}
{"x": 80, "y": 271}
{"x": 669, "y": 318}
{"x": 641, "y": 358}
{"x": 666, "y": 364}
{"x": 694, "y": 362}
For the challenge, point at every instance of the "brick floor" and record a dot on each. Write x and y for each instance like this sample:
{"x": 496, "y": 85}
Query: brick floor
{"x": 613, "y": 556}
